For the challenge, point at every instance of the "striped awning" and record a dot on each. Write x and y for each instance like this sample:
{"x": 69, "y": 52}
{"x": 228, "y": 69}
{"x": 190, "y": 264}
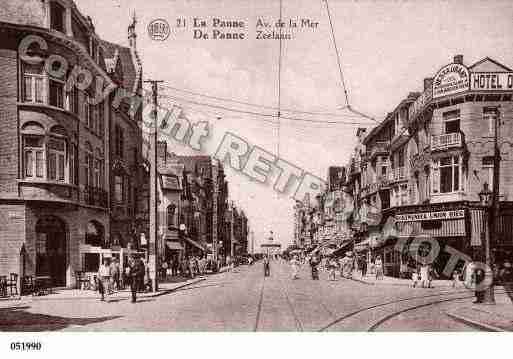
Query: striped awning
{"x": 441, "y": 228}
{"x": 477, "y": 222}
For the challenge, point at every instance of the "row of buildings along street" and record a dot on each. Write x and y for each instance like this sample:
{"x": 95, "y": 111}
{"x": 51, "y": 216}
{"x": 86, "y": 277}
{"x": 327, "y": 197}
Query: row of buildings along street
{"x": 74, "y": 176}
{"x": 422, "y": 171}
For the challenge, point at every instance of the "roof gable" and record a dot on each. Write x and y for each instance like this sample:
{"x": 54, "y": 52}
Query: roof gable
{"x": 488, "y": 65}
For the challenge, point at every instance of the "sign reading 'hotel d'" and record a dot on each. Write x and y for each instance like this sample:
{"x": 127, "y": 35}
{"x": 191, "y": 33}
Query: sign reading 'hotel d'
{"x": 450, "y": 80}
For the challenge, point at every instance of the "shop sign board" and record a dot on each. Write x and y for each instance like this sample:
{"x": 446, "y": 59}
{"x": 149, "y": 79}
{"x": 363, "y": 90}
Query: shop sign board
{"x": 430, "y": 216}
{"x": 450, "y": 80}
{"x": 491, "y": 81}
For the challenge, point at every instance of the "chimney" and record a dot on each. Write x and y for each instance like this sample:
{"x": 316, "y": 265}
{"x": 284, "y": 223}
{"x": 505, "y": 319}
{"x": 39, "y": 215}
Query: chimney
{"x": 428, "y": 81}
{"x": 162, "y": 151}
{"x": 458, "y": 59}
{"x": 131, "y": 32}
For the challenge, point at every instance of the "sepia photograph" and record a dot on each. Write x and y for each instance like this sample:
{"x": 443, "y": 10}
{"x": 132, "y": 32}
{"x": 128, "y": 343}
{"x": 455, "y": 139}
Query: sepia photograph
{"x": 241, "y": 166}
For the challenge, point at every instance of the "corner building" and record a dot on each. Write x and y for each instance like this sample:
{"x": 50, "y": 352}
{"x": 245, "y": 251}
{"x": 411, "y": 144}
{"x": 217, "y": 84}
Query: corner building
{"x": 55, "y": 145}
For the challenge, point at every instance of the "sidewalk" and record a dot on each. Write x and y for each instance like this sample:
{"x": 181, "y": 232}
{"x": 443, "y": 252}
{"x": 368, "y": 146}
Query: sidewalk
{"x": 371, "y": 280}
{"x": 62, "y": 294}
{"x": 494, "y": 318}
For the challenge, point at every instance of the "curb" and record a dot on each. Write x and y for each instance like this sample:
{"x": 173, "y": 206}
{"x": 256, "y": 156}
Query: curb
{"x": 474, "y": 323}
{"x": 360, "y": 281}
{"x": 167, "y": 291}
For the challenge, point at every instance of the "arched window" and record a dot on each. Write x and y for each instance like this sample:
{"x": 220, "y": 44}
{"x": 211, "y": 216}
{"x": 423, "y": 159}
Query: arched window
{"x": 33, "y": 150}
{"x": 98, "y": 169}
{"x": 171, "y": 211}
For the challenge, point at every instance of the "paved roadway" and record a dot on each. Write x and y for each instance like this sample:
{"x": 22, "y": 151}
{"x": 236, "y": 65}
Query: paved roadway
{"x": 244, "y": 300}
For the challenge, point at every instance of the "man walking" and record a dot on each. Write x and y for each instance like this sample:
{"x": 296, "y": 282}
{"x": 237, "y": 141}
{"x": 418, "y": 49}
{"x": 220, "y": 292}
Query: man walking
{"x": 267, "y": 267}
{"x": 104, "y": 279}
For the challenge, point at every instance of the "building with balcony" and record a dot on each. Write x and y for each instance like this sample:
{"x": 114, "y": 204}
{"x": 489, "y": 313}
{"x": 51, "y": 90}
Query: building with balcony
{"x": 440, "y": 156}
{"x": 55, "y": 177}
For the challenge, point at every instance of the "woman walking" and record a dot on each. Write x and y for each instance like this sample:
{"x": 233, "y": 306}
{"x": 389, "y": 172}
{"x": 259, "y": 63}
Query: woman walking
{"x": 295, "y": 267}
{"x": 104, "y": 279}
{"x": 378, "y": 265}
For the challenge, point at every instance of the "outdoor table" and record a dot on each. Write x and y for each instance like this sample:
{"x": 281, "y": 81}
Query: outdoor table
{"x": 42, "y": 285}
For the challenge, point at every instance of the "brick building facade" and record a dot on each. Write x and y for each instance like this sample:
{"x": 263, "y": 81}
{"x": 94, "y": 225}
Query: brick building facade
{"x": 55, "y": 148}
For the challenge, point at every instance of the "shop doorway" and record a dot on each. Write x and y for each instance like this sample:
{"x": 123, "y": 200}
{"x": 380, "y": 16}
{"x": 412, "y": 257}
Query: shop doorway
{"x": 51, "y": 250}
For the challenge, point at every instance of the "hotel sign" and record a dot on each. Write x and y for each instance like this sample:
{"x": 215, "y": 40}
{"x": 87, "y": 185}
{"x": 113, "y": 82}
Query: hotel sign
{"x": 430, "y": 216}
{"x": 491, "y": 81}
{"x": 450, "y": 80}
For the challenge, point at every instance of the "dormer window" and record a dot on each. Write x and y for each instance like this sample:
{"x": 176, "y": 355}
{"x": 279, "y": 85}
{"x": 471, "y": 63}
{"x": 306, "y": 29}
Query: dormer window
{"x": 57, "y": 13}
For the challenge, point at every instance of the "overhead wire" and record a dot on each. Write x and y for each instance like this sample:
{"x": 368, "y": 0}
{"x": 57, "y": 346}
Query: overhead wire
{"x": 260, "y": 114}
{"x": 266, "y": 107}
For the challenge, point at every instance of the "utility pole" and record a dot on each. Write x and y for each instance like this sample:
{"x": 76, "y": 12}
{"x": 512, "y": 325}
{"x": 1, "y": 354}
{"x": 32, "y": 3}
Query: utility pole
{"x": 232, "y": 243}
{"x": 494, "y": 211}
{"x": 153, "y": 242}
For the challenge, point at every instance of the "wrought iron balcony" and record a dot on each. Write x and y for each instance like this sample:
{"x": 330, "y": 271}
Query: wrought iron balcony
{"x": 95, "y": 196}
{"x": 446, "y": 141}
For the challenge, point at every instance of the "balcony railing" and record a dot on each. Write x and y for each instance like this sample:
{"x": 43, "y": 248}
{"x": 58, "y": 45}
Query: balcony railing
{"x": 445, "y": 141}
{"x": 355, "y": 167}
{"x": 95, "y": 196}
{"x": 398, "y": 174}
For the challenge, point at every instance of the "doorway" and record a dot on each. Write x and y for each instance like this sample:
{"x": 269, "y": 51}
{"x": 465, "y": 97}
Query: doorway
{"x": 51, "y": 250}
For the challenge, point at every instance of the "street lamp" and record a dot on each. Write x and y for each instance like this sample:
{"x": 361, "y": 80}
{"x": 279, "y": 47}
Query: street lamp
{"x": 485, "y": 197}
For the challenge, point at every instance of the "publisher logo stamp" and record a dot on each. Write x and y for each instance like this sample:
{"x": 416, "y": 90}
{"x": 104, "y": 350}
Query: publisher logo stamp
{"x": 159, "y": 30}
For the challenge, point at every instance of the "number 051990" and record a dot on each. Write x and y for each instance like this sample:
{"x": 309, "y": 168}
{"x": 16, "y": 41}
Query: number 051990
{"x": 25, "y": 346}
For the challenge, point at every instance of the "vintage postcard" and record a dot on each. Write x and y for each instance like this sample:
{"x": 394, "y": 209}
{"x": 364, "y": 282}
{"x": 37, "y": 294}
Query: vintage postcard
{"x": 255, "y": 166}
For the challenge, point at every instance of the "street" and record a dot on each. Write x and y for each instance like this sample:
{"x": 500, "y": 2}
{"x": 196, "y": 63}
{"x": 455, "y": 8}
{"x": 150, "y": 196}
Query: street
{"x": 243, "y": 300}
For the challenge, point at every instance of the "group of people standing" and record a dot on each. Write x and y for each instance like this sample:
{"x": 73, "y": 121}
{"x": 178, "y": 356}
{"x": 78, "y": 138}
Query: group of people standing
{"x": 109, "y": 277}
{"x": 188, "y": 267}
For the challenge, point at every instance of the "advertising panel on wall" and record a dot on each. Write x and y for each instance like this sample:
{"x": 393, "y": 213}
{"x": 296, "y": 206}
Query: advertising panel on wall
{"x": 450, "y": 80}
{"x": 491, "y": 81}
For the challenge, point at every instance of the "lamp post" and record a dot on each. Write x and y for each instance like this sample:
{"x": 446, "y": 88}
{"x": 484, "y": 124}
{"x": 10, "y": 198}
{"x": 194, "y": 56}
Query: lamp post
{"x": 485, "y": 197}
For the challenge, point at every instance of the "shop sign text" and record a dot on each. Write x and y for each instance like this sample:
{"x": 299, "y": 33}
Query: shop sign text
{"x": 451, "y": 79}
{"x": 429, "y": 216}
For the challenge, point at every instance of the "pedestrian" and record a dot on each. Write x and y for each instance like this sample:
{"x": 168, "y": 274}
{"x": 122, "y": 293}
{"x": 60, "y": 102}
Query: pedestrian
{"x": 295, "y": 267}
{"x": 115, "y": 274}
{"x": 424, "y": 275}
{"x": 136, "y": 271}
{"x": 415, "y": 277}
{"x": 364, "y": 267}
{"x": 104, "y": 279}
{"x": 190, "y": 263}
{"x": 456, "y": 278}
{"x": 267, "y": 267}
{"x": 332, "y": 267}
{"x": 314, "y": 262}
{"x": 378, "y": 266}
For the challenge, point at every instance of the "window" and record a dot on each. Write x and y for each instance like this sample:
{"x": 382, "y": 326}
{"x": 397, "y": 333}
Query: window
{"x": 401, "y": 156}
{"x": 33, "y": 83}
{"x": 87, "y": 110}
{"x": 101, "y": 119}
{"x": 56, "y": 159}
{"x": 119, "y": 141}
{"x": 33, "y": 148}
{"x": 447, "y": 175}
{"x": 451, "y": 121}
{"x": 72, "y": 100}
{"x": 57, "y": 16}
{"x": 56, "y": 93}
{"x": 118, "y": 189}
{"x": 488, "y": 170}
{"x": 89, "y": 164}
{"x": 72, "y": 164}
{"x": 489, "y": 115}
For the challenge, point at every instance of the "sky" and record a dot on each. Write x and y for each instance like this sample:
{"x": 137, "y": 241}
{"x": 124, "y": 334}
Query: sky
{"x": 386, "y": 49}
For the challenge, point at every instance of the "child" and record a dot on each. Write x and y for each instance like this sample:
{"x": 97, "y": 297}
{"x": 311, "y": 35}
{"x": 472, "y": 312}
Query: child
{"x": 455, "y": 278}
{"x": 415, "y": 277}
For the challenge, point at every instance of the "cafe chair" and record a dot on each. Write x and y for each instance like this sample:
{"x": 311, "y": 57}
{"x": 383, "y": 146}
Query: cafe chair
{"x": 12, "y": 284}
{"x": 27, "y": 285}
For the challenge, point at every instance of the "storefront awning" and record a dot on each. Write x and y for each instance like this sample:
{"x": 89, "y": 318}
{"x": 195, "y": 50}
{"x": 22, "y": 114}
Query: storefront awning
{"x": 436, "y": 228}
{"x": 194, "y": 243}
{"x": 174, "y": 245}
